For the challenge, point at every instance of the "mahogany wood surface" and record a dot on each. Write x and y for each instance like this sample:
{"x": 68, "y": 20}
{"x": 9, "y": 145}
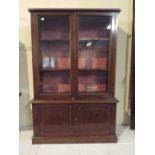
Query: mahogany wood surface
{"x": 117, "y": 10}
{"x": 132, "y": 78}
{"x": 73, "y": 117}
{"x": 64, "y": 121}
{"x": 74, "y": 139}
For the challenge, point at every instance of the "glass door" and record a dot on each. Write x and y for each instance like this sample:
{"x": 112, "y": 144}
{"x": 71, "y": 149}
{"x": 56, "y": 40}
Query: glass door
{"x": 54, "y": 48}
{"x": 93, "y": 52}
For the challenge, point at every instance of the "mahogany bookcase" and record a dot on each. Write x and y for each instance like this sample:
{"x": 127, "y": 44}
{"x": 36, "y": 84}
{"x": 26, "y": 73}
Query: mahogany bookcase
{"x": 74, "y": 58}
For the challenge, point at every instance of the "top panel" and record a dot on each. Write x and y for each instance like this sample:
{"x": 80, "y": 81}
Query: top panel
{"x": 115, "y": 10}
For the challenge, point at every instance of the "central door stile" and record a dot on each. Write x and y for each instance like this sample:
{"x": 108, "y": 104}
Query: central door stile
{"x": 74, "y": 57}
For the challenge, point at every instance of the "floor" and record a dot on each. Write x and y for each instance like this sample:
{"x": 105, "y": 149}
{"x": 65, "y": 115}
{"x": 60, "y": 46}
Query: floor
{"x": 125, "y": 146}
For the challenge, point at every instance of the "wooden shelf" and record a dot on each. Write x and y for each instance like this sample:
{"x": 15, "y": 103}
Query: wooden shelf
{"x": 67, "y": 69}
{"x": 94, "y": 39}
{"x": 55, "y": 69}
{"x": 93, "y": 69}
{"x": 55, "y": 40}
{"x": 81, "y": 39}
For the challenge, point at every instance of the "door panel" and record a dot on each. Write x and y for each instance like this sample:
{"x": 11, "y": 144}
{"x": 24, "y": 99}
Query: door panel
{"x": 94, "y": 119}
{"x": 54, "y": 119}
{"x": 93, "y": 53}
{"x": 54, "y": 54}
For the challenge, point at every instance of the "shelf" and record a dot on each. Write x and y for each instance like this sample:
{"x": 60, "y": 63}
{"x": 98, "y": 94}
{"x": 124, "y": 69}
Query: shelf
{"x": 81, "y": 39}
{"x": 56, "y": 40}
{"x": 92, "y": 69}
{"x": 80, "y": 69}
{"x": 94, "y": 39}
{"x": 55, "y": 69}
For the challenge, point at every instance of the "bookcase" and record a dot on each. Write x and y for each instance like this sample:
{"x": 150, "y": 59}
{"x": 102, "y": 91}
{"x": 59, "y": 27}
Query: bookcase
{"x": 74, "y": 57}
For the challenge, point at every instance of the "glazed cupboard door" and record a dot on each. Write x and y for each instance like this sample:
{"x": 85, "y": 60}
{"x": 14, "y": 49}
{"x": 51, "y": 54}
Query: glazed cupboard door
{"x": 73, "y": 54}
{"x": 52, "y": 55}
{"x": 94, "y": 34}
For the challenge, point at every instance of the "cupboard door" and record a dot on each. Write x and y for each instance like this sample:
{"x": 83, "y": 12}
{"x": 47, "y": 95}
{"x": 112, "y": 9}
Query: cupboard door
{"x": 53, "y": 119}
{"x": 93, "y": 53}
{"x": 95, "y": 119}
{"x": 54, "y": 54}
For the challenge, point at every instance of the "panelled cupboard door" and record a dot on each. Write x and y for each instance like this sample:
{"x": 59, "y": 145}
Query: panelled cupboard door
{"x": 85, "y": 119}
{"x": 95, "y": 119}
{"x": 53, "y": 119}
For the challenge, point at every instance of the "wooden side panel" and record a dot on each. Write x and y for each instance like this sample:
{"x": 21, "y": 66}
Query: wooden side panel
{"x": 36, "y": 120}
{"x": 53, "y": 120}
{"x": 95, "y": 119}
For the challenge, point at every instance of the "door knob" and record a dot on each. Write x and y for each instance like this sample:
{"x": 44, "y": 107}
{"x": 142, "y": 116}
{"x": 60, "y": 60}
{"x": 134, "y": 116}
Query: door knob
{"x": 75, "y": 119}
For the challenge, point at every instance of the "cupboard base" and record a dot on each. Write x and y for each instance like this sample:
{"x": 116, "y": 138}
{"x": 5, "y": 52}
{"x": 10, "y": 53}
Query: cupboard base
{"x": 74, "y": 139}
{"x": 76, "y": 122}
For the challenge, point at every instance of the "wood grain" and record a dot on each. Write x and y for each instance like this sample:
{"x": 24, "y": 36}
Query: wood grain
{"x": 73, "y": 117}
